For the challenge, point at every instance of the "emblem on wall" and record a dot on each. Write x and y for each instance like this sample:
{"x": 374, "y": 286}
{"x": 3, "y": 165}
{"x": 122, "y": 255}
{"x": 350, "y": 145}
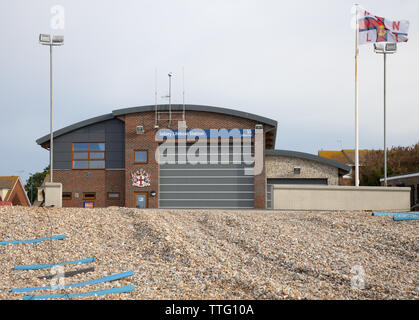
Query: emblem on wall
{"x": 140, "y": 179}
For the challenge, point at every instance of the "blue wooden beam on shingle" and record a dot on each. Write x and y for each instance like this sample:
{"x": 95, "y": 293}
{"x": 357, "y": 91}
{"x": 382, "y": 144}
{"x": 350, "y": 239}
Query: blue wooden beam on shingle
{"x": 80, "y": 284}
{"x": 405, "y": 218}
{"x": 375, "y": 214}
{"x": 59, "y": 237}
{"x": 84, "y": 294}
{"x": 46, "y": 266}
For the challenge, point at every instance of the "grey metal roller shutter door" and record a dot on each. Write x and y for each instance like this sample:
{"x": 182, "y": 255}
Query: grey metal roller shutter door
{"x": 205, "y": 186}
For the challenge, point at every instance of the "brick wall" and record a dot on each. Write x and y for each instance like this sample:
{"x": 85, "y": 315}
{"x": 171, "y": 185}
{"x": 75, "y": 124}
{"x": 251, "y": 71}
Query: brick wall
{"x": 104, "y": 181}
{"x": 146, "y": 141}
{"x": 99, "y": 181}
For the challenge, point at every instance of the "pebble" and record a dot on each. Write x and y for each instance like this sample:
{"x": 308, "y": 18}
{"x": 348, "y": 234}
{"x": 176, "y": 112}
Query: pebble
{"x": 215, "y": 254}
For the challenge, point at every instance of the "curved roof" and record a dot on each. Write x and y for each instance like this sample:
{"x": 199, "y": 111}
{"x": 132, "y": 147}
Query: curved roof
{"x": 308, "y": 156}
{"x": 165, "y": 107}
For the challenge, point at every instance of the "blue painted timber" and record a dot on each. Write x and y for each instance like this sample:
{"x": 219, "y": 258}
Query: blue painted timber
{"x": 46, "y": 266}
{"x": 60, "y": 237}
{"x": 84, "y": 294}
{"x": 80, "y": 284}
{"x": 405, "y": 218}
{"x": 394, "y": 213}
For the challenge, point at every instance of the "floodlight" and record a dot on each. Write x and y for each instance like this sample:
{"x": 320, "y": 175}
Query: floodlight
{"x": 58, "y": 40}
{"x": 385, "y": 48}
{"x": 379, "y": 47}
{"x": 45, "y": 39}
{"x": 391, "y": 47}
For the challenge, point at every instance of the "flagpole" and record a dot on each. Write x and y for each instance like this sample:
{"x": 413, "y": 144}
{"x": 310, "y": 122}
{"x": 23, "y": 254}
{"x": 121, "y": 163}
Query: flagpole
{"x": 356, "y": 101}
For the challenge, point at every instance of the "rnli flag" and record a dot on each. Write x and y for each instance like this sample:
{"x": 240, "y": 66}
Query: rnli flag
{"x": 376, "y": 29}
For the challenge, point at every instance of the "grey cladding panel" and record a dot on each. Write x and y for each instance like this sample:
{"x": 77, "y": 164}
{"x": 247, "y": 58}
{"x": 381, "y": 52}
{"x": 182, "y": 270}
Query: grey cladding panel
{"x": 114, "y": 156}
{"x": 62, "y": 156}
{"x": 109, "y": 131}
{"x": 62, "y": 165}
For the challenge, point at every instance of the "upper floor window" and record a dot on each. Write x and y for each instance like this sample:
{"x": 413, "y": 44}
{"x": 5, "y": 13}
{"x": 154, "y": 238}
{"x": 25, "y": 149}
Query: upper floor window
{"x": 140, "y": 156}
{"x": 89, "y": 155}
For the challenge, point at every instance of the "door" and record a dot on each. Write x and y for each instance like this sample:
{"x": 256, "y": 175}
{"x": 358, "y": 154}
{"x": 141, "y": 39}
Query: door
{"x": 141, "y": 201}
{"x": 206, "y": 185}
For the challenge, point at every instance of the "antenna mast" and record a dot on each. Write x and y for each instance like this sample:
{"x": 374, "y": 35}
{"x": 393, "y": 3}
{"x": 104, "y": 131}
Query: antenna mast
{"x": 155, "y": 99}
{"x": 183, "y": 82}
{"x": 170, "y": 98}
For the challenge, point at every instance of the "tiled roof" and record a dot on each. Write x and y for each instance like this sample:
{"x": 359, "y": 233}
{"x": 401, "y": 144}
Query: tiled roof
{"x": 351, "y": 154}
{"x": 8, "y": 183}
{"x": 338, "y": 156}
{"x": 346, "y": 156}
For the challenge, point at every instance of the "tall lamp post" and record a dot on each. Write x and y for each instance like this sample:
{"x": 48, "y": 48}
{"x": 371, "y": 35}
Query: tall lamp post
{"x": 31, "y": 177}
{"x": 385, "y": 49}
{"x": 55, "y": 41}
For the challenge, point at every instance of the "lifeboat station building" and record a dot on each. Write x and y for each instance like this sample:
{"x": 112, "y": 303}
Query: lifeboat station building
{"x": 157, "y": 157}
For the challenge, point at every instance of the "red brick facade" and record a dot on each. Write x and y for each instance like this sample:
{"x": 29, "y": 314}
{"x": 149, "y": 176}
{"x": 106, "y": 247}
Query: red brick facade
{"x": 104, "y": 181}
{"x": 99, "y": 181}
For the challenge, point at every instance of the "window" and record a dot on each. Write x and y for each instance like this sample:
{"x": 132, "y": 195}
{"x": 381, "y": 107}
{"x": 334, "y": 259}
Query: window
{"x": 114, "y": 196}
{"x": 67, "y": 195}
{"x": 140, "y": 156}
{"x": 297, "y": 170}
{"x": 89, "y": 155}
{"x": 89, "y": 195}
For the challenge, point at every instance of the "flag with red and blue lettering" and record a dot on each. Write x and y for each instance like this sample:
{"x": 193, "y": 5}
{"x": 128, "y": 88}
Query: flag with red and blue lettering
{"x": 376, "y": 29}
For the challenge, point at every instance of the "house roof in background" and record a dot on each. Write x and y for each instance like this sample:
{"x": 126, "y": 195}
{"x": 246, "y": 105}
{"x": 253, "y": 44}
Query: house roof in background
{"x": 346, "y": 156}
{"x": 338, "y": 156}
{"x": 8, "y": 183}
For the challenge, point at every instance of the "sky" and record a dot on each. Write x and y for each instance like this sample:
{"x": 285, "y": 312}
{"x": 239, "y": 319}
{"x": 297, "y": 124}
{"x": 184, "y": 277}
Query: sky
{"x": 291, "y": 61}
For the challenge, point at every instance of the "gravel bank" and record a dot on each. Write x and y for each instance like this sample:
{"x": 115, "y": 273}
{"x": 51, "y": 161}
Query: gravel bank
{"x": 203, "y": 254}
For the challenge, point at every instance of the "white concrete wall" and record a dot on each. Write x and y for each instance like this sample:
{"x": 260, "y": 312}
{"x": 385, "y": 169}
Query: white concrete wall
{"x": 292, "y": 197}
